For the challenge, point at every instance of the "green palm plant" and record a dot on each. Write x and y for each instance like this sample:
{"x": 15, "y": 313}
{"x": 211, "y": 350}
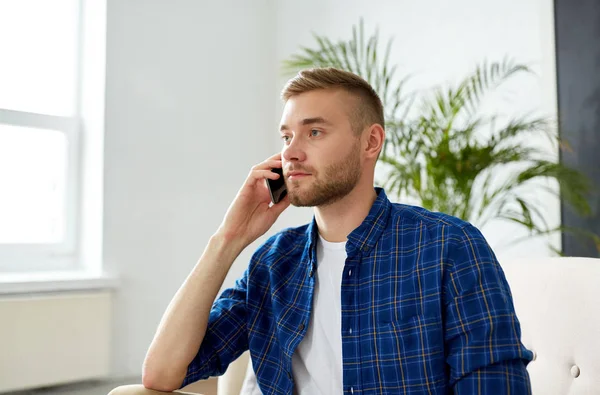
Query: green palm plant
{"x": 440, "y": 149}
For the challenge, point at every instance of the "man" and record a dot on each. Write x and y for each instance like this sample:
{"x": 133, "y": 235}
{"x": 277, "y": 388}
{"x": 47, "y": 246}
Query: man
{"x": 371, "y": 297}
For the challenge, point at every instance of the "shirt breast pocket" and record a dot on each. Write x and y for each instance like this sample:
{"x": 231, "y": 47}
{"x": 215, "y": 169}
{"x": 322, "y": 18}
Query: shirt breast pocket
{"x": 412, "y": 350}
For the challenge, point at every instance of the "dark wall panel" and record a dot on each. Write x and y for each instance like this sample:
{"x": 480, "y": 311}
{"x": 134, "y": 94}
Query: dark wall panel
{"x": 577, "y": 25}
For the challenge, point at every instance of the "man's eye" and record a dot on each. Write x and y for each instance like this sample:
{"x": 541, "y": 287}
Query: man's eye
{"x": 285, "y": 138}
{"x": 315, "y": 132}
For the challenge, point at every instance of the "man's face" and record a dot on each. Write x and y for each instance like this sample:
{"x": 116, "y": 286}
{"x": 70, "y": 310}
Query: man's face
{"x": 321, "y": 154}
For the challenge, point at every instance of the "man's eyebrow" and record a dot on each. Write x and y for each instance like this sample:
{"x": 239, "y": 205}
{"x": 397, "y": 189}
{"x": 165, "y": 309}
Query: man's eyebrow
{"x": 309, "y": 121}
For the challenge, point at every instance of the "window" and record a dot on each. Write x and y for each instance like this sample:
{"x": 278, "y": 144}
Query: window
{"x": 40, "y": 88}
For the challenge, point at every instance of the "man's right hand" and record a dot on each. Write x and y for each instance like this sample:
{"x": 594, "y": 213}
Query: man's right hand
{"x": 250, "y": 215}
{"x": 184, "y": 324}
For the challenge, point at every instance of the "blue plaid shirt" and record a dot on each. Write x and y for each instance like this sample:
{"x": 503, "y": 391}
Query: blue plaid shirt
{"x": 426, "y": 309}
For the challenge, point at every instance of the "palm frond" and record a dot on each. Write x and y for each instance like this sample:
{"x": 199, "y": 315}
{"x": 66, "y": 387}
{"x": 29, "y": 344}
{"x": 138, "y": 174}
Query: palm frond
{"x": 573, "y": 184}
{"x": 524, "y": 127}
{"x": 486, "y": 78}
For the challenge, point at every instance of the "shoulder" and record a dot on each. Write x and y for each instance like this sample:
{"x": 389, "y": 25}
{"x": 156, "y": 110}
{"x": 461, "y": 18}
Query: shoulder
{"x": 456, "y": 233}
{"x": 287, "y": 242}
{"x": 429, "y": 219}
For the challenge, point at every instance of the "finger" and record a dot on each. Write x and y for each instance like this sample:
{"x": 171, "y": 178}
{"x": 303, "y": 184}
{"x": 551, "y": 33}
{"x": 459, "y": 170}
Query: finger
{"x": 275, "y": 156}
{"x": 268, "y": 164}
{"x": 274, "y": 163}
{"x": 256, "y": 175}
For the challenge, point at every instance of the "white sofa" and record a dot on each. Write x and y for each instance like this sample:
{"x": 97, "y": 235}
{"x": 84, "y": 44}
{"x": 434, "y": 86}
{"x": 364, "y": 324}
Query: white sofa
{"x": 557, "y": 301}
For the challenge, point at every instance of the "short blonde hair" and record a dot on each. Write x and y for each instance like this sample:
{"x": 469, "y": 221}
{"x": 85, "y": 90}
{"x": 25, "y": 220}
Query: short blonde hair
{"x": 369, "y": 109}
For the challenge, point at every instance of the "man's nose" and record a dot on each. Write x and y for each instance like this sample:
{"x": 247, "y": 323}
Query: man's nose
{"x": 294, "y": 152}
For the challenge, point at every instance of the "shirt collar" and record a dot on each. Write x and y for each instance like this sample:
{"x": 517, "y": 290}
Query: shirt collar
{"x": 366, "y": 235}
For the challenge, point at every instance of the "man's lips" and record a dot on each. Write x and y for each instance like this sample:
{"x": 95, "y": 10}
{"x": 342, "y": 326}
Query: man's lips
{"x": 294, "y": 175}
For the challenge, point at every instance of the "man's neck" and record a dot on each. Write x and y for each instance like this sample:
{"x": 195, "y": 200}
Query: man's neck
{"x": 338, "y": 220}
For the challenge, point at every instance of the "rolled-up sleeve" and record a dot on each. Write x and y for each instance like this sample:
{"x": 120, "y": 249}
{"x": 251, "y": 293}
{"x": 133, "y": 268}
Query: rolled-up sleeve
{"x": 482, "y": 332}
{"x": 226, "y": 336}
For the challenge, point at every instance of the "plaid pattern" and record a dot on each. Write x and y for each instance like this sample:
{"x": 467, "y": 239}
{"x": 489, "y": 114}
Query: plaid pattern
{"x": 426, "y": 309}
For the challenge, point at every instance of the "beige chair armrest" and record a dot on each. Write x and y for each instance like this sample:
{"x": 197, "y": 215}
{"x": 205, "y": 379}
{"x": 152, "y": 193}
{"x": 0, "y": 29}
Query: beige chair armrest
{"x": 231, "y": 382}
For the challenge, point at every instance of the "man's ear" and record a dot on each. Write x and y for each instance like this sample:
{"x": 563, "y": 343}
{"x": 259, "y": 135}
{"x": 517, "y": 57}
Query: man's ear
{"x": 374, "y": 139}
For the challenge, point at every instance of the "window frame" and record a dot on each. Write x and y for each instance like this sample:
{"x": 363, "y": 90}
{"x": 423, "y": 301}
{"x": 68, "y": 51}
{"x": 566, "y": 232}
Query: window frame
{"x": 62, "y": 256}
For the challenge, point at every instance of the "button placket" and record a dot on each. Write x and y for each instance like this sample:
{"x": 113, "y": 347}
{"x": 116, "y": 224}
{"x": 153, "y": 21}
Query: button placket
{"x": 351, "y": 319}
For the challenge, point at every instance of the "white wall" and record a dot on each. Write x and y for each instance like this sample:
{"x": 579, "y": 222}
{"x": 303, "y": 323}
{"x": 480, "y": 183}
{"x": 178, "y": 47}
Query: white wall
{"x": 188, "y": 108}
{"x": 192, "y": 103}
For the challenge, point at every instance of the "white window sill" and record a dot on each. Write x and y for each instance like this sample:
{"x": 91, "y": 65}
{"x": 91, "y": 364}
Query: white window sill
{"x": 20, "y": 283}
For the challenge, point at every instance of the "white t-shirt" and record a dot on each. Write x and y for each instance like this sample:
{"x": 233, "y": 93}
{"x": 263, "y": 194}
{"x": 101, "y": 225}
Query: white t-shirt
{"x": 317, "y": 362}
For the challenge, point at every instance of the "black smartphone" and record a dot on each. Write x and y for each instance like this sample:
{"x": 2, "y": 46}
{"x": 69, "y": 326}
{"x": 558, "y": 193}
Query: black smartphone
{"x": 277, "y": 187}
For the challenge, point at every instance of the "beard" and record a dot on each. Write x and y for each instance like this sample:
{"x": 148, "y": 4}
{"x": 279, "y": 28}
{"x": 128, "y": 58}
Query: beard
{"x": 337, "y": 181}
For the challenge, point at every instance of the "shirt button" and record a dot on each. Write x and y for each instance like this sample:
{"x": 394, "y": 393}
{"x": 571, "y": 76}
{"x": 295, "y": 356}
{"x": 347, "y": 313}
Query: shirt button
{"x": 301, "y": 327}
{"x": 350, "y": 331}
{"x": 349, "y": 272}
{"x": 351, "y": 390}
{"x": 290, "y": 375}
{"x": 311, "y": 273}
